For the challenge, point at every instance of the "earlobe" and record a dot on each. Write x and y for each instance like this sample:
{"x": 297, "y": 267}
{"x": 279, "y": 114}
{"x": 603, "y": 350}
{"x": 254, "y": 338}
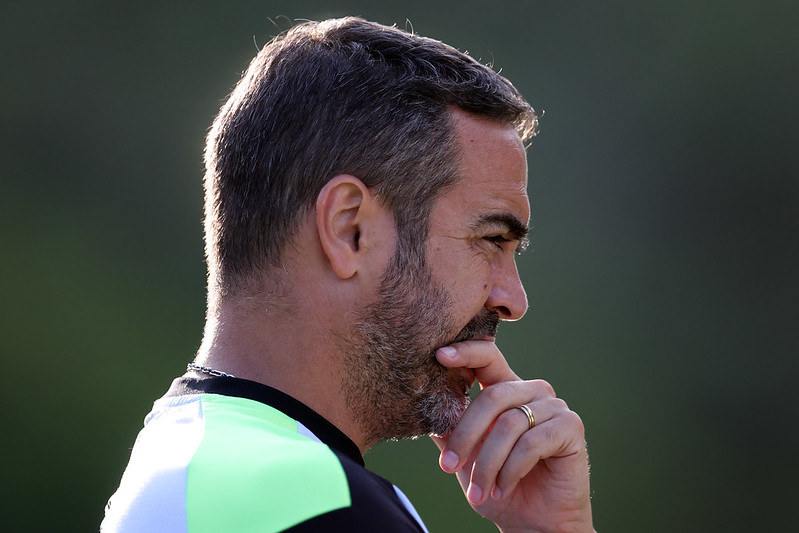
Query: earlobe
{"x": 339, "y": 214}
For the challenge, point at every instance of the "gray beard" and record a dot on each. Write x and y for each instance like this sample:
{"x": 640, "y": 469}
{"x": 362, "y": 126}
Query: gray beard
{"x": 395, "y": 387}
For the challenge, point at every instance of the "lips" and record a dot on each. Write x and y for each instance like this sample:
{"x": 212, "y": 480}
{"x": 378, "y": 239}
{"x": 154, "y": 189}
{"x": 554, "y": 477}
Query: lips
{"x": 482, "y": 326}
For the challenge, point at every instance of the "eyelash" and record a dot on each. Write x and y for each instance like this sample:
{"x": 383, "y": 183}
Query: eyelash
{"x": 497, "y": 240}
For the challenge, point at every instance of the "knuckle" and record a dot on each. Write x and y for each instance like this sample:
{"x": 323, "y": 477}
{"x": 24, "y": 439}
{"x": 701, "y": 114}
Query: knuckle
{"x": 507, "y": 477}
{"x": 530, "y": 442}
{"x": 506, "y": 422}
{"x": 461, "y": 438}
{"x": 544, "y": 387}
{"x": 571, "y": 420}
{"x": 494, "y": 393}
{"x": 484, "y": 473}
{"x": 560, "y": 405}
{"x": 577, "y": 421}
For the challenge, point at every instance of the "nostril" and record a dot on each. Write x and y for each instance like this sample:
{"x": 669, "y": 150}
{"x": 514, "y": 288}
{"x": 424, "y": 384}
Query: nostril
{"x": 503, "y": 312}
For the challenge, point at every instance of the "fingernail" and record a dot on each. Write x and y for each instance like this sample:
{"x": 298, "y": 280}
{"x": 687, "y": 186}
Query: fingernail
{"x": 450, "y": 460}
{"x": 496, "y": 493}
{"x": 448, "y": 351}
{"x": 474, "y": 494}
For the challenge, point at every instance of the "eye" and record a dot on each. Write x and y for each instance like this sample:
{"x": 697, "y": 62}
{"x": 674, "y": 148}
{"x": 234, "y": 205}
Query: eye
{"x": 497, "y": 240}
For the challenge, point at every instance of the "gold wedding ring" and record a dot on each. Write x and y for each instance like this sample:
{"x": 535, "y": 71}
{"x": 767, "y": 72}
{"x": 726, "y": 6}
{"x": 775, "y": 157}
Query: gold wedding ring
{"x": 529, "y": 412}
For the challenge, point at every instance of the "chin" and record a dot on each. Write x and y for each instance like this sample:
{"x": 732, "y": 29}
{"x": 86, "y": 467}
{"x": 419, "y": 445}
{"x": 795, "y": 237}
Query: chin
{"x": 448, "y": 417}
{"x": 445, "y": 408}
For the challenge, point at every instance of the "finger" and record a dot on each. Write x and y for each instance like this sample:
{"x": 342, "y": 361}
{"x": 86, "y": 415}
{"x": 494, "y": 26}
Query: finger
{"x": 496, "y": 447}
{"x": 444, "y": 458}
{"x": 485, "y": 410}
{"x": 482, "y": 356}
{"x": 500, "y": 442}
{"x": 448, "y": 461}
{"x": 462, "y": 474}
{"x": 560, "y": 438}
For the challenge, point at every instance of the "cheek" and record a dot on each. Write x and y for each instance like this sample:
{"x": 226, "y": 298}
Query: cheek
{"x": 470, "y": 292}
{"x": 465, "y": 274}
{"x": 467, "y": 279}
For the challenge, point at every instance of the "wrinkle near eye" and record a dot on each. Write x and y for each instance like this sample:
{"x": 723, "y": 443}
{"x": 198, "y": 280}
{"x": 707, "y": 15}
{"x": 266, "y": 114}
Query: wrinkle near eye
{"x": 505, "y": 224}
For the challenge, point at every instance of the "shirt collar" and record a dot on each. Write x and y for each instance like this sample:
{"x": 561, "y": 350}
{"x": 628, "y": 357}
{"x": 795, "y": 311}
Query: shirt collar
{"x": 251, "y": 390}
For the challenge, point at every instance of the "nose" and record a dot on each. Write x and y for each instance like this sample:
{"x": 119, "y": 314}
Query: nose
{"x": 507, "y": 297}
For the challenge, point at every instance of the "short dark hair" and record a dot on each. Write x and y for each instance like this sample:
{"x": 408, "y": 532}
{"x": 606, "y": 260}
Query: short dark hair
{"x": 342, "y": 96}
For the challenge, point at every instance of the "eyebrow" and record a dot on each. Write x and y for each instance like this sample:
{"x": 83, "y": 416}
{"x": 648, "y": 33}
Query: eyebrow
{"x": 517, "y": 229}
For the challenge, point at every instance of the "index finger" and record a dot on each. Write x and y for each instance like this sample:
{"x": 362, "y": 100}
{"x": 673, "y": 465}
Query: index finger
{"x": 481, "y": 356}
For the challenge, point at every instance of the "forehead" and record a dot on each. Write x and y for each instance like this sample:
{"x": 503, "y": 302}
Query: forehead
{"x": 493, "y": 169}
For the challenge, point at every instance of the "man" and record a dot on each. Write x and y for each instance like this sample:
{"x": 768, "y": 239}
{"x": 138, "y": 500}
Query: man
{"x": 365, "y": 198}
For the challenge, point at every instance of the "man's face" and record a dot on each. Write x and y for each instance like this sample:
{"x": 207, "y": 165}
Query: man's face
{"x": 455, "y": 290}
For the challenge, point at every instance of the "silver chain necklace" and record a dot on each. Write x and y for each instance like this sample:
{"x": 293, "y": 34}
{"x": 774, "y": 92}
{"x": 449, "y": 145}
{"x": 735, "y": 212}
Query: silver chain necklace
{"x": 208, "y": 370}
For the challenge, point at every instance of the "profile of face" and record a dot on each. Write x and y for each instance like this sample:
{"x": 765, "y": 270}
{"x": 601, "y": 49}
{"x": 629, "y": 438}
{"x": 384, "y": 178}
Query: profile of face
{"x": 452, "y": 288}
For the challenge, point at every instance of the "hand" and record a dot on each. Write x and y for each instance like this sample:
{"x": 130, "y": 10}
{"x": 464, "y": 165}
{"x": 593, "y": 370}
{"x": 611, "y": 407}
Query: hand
{"x": 521, "y": 479}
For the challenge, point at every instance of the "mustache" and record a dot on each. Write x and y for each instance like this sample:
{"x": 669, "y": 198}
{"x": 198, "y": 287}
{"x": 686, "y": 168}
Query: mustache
{"x": 484, "y": 324}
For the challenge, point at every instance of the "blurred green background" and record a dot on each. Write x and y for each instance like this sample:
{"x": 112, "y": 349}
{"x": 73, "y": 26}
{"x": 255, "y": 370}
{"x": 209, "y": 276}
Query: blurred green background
{"x": 662, "y": 278}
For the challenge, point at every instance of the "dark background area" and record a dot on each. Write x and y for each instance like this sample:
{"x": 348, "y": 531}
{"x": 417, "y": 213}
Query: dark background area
{"x": 662, "y": 274}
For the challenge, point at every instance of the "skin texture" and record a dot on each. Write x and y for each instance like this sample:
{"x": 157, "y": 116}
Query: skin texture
{"x": 343, "y": 294}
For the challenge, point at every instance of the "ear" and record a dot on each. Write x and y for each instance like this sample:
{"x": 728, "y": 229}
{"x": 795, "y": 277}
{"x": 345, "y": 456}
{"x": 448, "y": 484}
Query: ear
{"x": 342, "y": 207}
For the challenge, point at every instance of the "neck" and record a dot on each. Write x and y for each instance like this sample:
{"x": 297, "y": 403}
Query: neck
{"x": 258, "y": 340}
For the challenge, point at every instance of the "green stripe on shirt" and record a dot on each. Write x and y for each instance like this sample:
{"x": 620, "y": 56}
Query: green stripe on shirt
{"x": 254, "y": 472}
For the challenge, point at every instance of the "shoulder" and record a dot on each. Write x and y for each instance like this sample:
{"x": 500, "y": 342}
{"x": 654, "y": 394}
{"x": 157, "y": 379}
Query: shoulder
{"x": 279, "y": 478}
{"x": 375, "y": 505}
{"x": 253, "y": 470}
{"x": 217, "y": 463}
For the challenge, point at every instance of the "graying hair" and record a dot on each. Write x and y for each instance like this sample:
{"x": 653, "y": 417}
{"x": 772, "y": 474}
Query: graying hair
{"x": 343, "y": 96}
